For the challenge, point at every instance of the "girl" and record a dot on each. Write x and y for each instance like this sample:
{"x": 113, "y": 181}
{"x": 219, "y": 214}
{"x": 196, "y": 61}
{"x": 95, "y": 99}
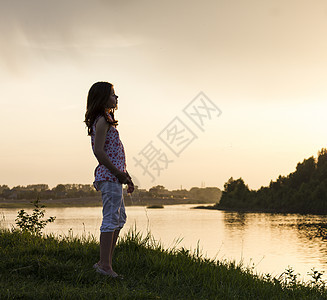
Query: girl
{"x": 111, "y": 172}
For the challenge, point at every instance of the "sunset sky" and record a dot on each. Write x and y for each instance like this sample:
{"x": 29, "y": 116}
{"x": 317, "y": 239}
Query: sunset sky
{"x": 263, "y": 64}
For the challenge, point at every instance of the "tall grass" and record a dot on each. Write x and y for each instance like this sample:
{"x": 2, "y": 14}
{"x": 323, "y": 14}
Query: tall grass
{"x": 60, "y": 267}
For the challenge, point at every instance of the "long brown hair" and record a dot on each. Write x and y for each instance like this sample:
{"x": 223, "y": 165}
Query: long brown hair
{"x": 98, "y": 95}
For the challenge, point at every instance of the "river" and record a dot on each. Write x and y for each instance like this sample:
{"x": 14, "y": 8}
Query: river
{"x": 268, "y": 242}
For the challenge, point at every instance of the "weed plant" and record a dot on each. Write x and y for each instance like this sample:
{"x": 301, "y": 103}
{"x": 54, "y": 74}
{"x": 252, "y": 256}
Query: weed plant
{"x": 33, "y": 223}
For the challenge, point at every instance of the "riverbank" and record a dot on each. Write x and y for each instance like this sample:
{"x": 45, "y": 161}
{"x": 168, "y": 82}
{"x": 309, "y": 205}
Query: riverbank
{"x": 61, "y": 268}
{"x": 96, "y": 201}
{"x": 241, "y": 210}
{"x": 251, "y": 210}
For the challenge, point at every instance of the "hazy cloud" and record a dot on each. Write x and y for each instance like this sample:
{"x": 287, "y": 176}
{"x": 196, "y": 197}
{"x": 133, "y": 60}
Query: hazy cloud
{"x": 37, "y": 30}
{"x": 238, "y": 32}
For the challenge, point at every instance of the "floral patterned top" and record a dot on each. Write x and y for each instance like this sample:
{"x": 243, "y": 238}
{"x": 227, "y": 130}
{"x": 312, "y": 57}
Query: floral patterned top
{"x": 115, "y": 151}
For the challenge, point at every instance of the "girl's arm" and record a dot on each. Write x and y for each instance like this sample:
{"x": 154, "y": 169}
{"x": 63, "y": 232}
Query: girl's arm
{"x": 102, "y": 127}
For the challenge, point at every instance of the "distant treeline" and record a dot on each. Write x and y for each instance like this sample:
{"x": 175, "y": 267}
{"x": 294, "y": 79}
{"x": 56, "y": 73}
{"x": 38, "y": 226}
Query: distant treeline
{"x": 62, "y": 191}
{"x": 303, "y": 191}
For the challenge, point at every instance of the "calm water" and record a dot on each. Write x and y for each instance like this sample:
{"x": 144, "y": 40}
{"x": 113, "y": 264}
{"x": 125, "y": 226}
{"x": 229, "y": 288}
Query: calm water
{"x": 270, "y": 242}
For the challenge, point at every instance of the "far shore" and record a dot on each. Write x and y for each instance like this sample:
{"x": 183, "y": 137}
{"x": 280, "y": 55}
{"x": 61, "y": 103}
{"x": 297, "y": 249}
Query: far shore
{"x": 96, "y": 201}
{"x": 252, "y": 210}
{"x": 240, "y": 210}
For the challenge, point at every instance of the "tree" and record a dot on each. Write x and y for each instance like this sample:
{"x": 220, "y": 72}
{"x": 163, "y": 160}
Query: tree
{"x": 159, "y": 191}
{"x": 60, "y": 188}
{"x": 304, "y": 172}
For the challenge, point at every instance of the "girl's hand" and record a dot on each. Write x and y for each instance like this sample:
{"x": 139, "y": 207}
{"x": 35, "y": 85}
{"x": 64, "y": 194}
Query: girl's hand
{"x": 130, "y": 188}
{"x": 123, "y": 178}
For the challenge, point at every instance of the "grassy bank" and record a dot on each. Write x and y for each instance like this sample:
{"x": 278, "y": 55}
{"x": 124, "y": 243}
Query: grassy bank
{"x": 50, "y": 267}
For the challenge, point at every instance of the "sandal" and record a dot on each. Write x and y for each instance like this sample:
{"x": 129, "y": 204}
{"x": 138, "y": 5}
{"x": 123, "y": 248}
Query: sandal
{"x": 107, "y": 273}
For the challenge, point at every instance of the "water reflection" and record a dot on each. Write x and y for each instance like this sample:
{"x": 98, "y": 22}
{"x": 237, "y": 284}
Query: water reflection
{"x": 235, "y": 219}
{"x": 313, "y": 235}
{"x": 279, "y": 239}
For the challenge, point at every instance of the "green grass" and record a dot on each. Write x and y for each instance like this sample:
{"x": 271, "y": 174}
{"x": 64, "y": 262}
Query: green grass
{"x": 51, "y": 267}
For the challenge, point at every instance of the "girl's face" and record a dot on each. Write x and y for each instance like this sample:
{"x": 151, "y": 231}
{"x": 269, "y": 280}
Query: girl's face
{"x": 113, "y": 100}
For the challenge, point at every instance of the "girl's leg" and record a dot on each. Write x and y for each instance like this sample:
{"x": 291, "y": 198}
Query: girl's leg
{"x": 106, "y": 244}
{"x": 113, "y": 245}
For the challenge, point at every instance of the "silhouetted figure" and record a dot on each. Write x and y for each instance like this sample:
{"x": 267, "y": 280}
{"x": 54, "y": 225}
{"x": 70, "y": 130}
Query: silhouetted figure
{"x": 111, "y": 172}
